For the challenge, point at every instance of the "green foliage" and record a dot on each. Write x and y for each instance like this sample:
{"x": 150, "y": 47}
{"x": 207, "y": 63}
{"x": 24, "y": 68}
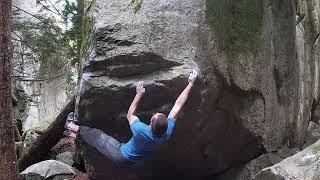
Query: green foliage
{"x": 136, "y": 5}
{"x": 299, "y": 8}
{"x": 236, "y": 25}
{"x": 71, "y": 15}
{"x": 29, "y": 138}
{"x": 45, "y": 39}
{"x": 87, "y": 3}
{"x": 81, "y": 26}
{"x": 50, "y": 44}
{"x": 313, "y": 19}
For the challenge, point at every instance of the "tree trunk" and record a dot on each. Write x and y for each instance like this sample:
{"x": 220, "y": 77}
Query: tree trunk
{"x": 8, "y": 168}
{"x": 80, "y": 6}
{"x": 44, "y": 143}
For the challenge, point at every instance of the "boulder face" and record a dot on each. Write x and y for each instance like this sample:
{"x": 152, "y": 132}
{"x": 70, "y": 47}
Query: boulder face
{"x": 253, "y": 167}
{"x": 246, "y": 101}
{"x": 303, "y": 165}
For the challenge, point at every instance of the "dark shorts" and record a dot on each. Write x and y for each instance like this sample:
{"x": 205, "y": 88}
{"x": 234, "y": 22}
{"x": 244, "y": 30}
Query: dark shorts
{"x": 103, "y": 143}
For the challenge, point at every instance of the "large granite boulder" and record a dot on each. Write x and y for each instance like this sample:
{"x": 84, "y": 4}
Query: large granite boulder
{"x": 255, "y": 88}
{"x": 303, "y": 165}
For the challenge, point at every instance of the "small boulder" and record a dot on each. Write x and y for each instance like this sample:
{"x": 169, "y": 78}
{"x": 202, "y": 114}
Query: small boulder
{"x": 303, "y": 165}
{"x": 49, "y": 169}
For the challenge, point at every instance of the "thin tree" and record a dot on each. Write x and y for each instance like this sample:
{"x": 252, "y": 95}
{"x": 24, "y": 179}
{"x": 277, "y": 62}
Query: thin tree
{"x": 8, "y": 159}
{"x": 80, "y": 14}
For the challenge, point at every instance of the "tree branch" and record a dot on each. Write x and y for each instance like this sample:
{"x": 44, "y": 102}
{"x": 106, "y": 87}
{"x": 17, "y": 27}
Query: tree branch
{"x": 27, "y": 13}
{"x": 55, "y": 8}
{"x": 21, "y": 40}
{"x": 73, "y": 51}
{"x": 20, "y": 78}
{"x": 48, "y": 8}
{"x": 21, "y": 72}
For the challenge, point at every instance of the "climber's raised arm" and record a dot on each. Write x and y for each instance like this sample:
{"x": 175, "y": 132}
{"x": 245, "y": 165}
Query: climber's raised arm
{"x": 183, "y": 96}
{"x": 132, "y": 109}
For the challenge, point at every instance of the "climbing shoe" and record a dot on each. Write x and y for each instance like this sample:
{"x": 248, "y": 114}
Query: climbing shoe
{"x": 71, "y": 118}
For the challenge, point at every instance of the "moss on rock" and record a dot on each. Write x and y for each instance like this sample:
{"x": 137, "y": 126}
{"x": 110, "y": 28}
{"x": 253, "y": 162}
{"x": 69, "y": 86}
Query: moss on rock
{"x": 313, "y": 19}
{"x": 236, "y": 25}
{"x": 311, "y": 157}
{"x": 136, "y": 5}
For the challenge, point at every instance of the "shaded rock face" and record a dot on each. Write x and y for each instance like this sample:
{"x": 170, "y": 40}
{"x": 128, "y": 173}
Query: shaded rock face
{"x": 242, "y": 105}
{"x": 65, "y": 144}
{"x": 64, "y": 151}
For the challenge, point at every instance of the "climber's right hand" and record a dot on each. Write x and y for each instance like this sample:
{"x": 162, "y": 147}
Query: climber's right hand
{"x": 139, "y": 88}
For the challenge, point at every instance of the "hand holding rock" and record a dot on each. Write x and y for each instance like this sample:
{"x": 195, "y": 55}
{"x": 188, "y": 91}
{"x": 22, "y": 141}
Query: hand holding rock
{"x": 193, "y": 76}
{"x": 139, "y": 88}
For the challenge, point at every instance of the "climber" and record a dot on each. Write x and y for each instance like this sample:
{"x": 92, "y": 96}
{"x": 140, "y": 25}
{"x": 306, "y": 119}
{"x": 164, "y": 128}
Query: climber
{"x": 145, "y": 139}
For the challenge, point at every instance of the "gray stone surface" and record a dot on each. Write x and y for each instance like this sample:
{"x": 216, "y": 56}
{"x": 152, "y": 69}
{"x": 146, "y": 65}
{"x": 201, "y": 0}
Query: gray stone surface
{"x": 19, "y": 105}
{"x": 49, "y": 169}
{"x": 303, "y": 165}
{"x": 240, "y": 108}
{"x": 31, "y": 176}
{"x": 66, "y": 157}
{"x": 313, "y": 134}
{"x": 253, "y": 167}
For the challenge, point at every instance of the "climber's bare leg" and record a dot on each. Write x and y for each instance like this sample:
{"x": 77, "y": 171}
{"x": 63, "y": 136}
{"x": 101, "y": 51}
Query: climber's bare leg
{"x": 72, "y": 134}
{"x": 73, "y": 127}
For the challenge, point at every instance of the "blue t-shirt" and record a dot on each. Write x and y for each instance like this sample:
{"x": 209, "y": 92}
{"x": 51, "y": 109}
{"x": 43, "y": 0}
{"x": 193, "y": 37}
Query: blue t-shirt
{"x": 143, "y": 142}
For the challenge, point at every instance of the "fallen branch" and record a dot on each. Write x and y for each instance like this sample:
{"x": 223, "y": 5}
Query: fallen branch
{"x": 44, "y": 143}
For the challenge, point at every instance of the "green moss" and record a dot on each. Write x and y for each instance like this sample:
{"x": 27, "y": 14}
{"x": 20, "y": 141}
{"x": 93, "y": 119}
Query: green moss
{"x": 236, "y": 25}
{"x": 307, "y": 162}
{"x": 315, "y": 148}
{"x": 28, "y": 138}
{"x": 136, "y": 5}
{"x": 309, "y": 159}
{"x": 314, "y": 24}
{"x": 312, "y": 21}
{"x": 300, "y": 8}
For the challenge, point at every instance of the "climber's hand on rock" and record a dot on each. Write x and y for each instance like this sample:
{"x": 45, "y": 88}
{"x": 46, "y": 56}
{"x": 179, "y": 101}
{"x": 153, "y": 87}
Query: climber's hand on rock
{"x": 139, "y": 88}
{"x": 193, "y": 76}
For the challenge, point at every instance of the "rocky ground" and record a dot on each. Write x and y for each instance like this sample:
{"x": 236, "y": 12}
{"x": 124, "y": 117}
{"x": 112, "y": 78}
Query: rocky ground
{"x": 61, "y": 165}
{"x": 285, "y": 164}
